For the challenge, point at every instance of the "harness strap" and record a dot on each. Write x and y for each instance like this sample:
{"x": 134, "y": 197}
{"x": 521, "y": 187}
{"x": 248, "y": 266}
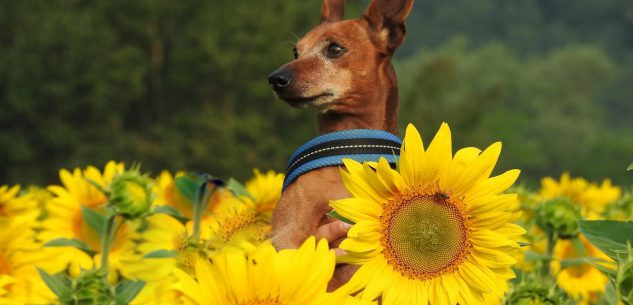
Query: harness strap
{"x": 330, "y": 149}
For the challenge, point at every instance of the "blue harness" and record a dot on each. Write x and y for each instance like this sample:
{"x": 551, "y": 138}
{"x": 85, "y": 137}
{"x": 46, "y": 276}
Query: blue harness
{"x": 330, "y": 149}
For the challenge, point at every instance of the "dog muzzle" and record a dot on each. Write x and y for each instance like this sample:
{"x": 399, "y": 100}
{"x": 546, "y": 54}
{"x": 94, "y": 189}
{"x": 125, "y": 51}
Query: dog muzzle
{"x": 330, "y": 149}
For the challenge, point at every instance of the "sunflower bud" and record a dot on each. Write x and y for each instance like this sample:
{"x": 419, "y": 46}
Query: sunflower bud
{"x": 530, "y": 297}
{"x": 535, "y": 292}
{"x": 91, "y": 288}
{"x": 559, "y": 216}
{"x": 131, "y": 194}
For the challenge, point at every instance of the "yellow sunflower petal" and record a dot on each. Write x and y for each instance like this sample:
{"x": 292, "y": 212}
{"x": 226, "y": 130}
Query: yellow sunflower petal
{"x": 437, "y": 157}
{"x": 356, "y": 184}
{"x": 389, "y": 177}
{"x": 465, "y": 172}
{"x": 357, "y": 209}
{"x": 494, "y": 185}
{"x": 410, "y": 156}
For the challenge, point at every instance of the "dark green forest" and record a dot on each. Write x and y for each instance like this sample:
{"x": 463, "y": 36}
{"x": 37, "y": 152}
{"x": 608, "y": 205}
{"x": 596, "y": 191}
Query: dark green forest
{"x": 182, "y": 84}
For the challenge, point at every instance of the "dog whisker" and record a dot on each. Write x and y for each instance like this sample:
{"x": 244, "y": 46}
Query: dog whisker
{"x": 293, "y": 34}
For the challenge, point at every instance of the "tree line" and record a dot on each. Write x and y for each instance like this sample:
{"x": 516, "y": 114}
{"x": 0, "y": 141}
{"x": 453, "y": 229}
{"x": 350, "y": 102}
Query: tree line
{"x": 182, "y": 85}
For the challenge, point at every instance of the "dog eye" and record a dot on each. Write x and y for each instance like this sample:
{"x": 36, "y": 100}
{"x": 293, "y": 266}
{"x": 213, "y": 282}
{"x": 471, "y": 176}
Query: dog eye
{"x": 295, "y": 52}
{"x": 334, "y": 50}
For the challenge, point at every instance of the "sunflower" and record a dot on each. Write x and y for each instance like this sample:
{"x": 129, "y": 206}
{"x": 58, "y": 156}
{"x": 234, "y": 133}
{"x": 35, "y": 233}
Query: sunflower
{"x": 266, "y": 190}
{"x": 591, "y": 197}
{"x": 583, "y": 282}
{"x": 266, "y": 277}
{"x": 15, "y": 208}
{"x": 164, "y": 232}
{"x": 236, "y": 224}
{"x": 435, "y": 231}
{"x": 41, "y": 196}
{"x": 19, "y": 255}
{"x": 66, "y": 219}
{"x": 167, "y": 194}
{"x": 159, "y": 292}
{"x": 242, "y": 222}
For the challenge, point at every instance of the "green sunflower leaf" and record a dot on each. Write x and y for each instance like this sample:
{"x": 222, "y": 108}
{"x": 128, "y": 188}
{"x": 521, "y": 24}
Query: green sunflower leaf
{"x": 162, "y": 253}
{"x": 339, "y": 217}
{"x": 95, "y": 220}
{"x": 522, "y": 244}
{"x": 580, "y": 261}
{"x": 171, "y": 211}
{"x": 610, "y": 294}
{"x": 187, "y": 186}
{"x": 535, "y": 256}
{"x": 59, "y": 283}
{"x": 610, "y": 236}
{"x": 595, "y": 262}
{"x": 630, "y": 167}
{"x": 97, "y": 186}
{"x": 72, "y": 242}
{"x": 127, "y": 290}
{"x": 238, "y": 189}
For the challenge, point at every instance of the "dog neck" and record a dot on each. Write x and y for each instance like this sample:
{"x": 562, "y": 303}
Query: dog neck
{"x": 333, "y": 121}
{"x": 379, "y": 112}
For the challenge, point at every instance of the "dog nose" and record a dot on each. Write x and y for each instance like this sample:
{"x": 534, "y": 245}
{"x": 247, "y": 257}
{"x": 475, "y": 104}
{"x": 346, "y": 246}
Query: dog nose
{"x": 280, "y": 79}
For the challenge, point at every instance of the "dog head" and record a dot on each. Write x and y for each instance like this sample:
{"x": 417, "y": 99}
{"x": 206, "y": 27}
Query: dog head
{"x": 344, "y": 66}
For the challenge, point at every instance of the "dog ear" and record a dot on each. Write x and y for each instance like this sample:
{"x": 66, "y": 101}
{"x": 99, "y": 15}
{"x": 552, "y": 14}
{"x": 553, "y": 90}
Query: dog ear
{"x": 386, "y": 19}
{"x": 332, "y": 10}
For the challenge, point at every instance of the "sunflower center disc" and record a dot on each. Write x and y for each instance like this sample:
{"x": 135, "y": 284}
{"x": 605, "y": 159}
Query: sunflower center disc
{"x": 246, "y": 224}
{"x": 424, "y": 236}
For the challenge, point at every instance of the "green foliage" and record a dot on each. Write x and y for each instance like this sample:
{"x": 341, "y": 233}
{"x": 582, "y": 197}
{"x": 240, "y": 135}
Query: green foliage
{"x": 127, "y": 290}
{"x": 558, "y": 217}
{"x": 188, "y": 187}
{"x": 131, "y": 194}
{"x": 547, "y": 110}
{"x": 193, "y": 186}
{"x": 72, "y": 242}
{"x": 336, "y": 215}
{"x": 610, "y": 236}
{"x": 91, "y": 288}
{"x": 182, "y": 85}
{"x": 95, "y": 220}
{"x": 162, "y": 253}
{"x": 171, "y": 211}
{"x": 527, "y": 26}
{"x": 535, "y": 291}
{"x": 197, "y": 188}
{"x": 238, "y": 189}
{"x": 58, "y": 283}
{"x": 614, "y": 238}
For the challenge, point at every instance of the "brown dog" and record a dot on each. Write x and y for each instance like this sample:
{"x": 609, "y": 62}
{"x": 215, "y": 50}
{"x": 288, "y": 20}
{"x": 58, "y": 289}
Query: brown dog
{"x": 343, "y": 69}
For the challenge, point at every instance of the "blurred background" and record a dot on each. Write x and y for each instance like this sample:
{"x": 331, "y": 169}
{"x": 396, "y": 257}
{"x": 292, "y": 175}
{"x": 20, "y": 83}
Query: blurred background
{"x": 181, "y": 85}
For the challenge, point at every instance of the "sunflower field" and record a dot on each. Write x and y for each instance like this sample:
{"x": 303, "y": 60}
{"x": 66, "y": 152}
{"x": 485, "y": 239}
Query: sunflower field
{"x": 438, "y": 229}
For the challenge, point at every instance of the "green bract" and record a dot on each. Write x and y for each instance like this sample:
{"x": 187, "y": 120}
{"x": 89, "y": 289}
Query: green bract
{"x": 131, "y": 194}
{"x": 91, "y": 288}
{"x": 535, "y": 291}
{"x": 559, "y": 217}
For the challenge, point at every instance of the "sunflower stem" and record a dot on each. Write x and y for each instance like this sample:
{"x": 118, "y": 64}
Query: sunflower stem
{"x": 202, "y": 200}
{"x": 551, "y": 242}
{"x": 106, "y": 243}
